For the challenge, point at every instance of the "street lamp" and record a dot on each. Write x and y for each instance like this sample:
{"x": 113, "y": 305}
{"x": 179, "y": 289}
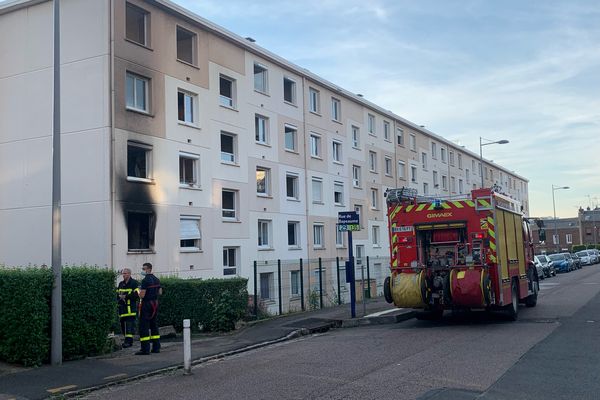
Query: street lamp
{"x": 554, "y": 188}
{"x": 481, "y": 144}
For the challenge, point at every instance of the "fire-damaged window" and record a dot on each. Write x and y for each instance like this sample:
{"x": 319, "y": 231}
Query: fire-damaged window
{"x": 139, "y": 161}
{"x": 140, "y": 230}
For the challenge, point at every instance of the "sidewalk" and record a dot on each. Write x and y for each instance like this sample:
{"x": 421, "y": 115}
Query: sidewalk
{"x": 76, "y": 377}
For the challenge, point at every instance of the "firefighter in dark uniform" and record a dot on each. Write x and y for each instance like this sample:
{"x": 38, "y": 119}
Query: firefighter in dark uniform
{"x": 127, "y": 299}
{"x": 149, "y": 291}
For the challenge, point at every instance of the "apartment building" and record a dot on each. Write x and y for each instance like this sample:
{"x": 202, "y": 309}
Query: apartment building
{"x": 195, "y": 149}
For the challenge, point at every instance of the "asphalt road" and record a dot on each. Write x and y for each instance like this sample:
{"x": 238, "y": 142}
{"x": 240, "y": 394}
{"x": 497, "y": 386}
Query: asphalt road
{"x": 550, "y": 353}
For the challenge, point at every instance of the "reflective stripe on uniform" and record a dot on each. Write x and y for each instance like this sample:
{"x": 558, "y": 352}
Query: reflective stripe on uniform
{"x": 155, "y": 337}
{"x": 128, "y": 335}
{"x": 144, "y": 339}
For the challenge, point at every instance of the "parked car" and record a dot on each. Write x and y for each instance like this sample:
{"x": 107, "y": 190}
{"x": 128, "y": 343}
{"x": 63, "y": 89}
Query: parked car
{"x": 571, "y": 261}
{"x": 540, "y": 269}
{"x": 595, "y": 255}
{"x": 548, "y": 265}
{"x": 585, "y": 257}
{"x": 576, "y": 261}
{"x": 561, "y": 263}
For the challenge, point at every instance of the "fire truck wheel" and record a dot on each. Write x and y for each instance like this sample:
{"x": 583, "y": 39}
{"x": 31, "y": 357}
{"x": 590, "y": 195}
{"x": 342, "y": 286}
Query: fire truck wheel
{"x": 387, "y": 290}
{"x": 513, "y": 308}
{"x": 429, "y": 315}
{"x": 531, "y": 300}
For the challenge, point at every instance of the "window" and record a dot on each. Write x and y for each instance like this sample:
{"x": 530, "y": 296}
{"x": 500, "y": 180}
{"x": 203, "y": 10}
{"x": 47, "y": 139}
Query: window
{"x": 401, "y": 170}
{"x": 318, "y": 235}
{"x": 443, "y": 154}
{"x": 435, "y": 179}
{"x": 339, "y": 238}
{"x": 140, "y": 231}
{"x": 460, "y": 186}
{"x": 229, "y": 204}
{"x": 137, "y": 92}
{"x": 356, "y": 178}
{"x": 374, "y": 199}
{"x": 468, "y": 176}
{"x": 371, "y": 124}
{"x": 473, "y": 165}
{"x": 289, "y": 90}
{"x": 358, "y": 210}
{"x": 260, "y": 78}
{"x": 315, "y": 145}
{"x": 424, "y": 160}
{"x": 336, "y": 109}
{"x": 190, "y": 235}
{"x": 314, "y": 101}
{"x": 139, "y": 161}
{"x": 137, "y": 24}
{"x": 555, "y": 239}
{"x": 372, "y": 161}
{"x": 263, "y": 181}
{"x": 317, "y": 190}
{"x": 290, "y": 134}
{"x": 375, "y": 235}
{"x": 266, "y": 283}
{"x": 459, "y": 161}
{"x": 444, "y": 182}
{"x": 295, "y": 283}
{"x": 293, "y": 233}
{"x": 291, "y": 186}
{"x": 188, "y": 169}
{"x": 186, "y": 46}
{"x": 413, "y": 142}
{"x": 185, "y": 107}
{"x": 433, "y": 150}
{"x": 228, "y": 147}
{"x": 338, "y": 193}
{"x": 264, "y": 233}
{"x": 451, "y": 158}
{"x": 453, "y": 184}
{"x": 261, "y": 129}
{"x": 227, "y": 91}
{"x": 413, "y": 173}
{"x": 425, "y": 188}
{"x": 355, "y": 136}
{"x": 337, "y": 151}
{"x": 386, "y": 130}
{"x": 230, "y": 257}
{"x": 388, "y": 166}
{"x": 400, "y": 137}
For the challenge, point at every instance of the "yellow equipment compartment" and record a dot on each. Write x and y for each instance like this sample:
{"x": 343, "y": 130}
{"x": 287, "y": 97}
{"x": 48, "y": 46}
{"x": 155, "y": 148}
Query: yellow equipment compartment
{"x": 409, "y": 289}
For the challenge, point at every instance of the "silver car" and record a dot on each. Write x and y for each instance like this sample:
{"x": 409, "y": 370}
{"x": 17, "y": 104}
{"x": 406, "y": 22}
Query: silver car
{"x": 585, "y": 257}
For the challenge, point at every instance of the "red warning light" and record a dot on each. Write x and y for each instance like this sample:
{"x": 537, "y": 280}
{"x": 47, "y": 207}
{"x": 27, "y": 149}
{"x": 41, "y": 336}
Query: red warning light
{"x": 478, "y": 235}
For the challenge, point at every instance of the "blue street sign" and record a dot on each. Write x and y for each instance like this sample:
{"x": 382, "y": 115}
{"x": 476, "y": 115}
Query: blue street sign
{"x": 348, "y": 218}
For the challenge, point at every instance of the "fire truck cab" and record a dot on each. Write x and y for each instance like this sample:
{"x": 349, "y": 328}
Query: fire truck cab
{"x": 474, "y": 252}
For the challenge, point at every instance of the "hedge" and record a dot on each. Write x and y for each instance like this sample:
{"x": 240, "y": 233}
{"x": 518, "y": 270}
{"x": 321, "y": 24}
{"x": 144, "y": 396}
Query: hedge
{"x": 579, "y": 247}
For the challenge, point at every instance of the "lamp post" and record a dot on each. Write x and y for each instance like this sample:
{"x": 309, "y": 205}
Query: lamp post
{"x": 481, "y": 144}
{"x": 555, "y": 188}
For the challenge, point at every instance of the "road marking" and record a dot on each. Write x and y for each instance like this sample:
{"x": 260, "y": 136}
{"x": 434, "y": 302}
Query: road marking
{"x": 590, "y": 283}
{"x": 549, "y": 284}
{"x": 377, "y": 314}
{"x": 61, "y": 389}
{"x": 117, "y": 376}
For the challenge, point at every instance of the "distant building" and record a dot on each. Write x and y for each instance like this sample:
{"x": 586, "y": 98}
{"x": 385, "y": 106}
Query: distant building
{"x": 589, "y": 225}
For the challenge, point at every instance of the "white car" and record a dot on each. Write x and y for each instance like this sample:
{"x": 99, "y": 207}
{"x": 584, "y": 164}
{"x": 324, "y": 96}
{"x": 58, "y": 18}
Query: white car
{"x": 585, "y": 257}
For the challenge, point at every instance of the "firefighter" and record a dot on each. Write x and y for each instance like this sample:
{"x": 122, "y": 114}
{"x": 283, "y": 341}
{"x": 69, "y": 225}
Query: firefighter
{"x": 149, "y": 292}
{"x": 127, "y": 299}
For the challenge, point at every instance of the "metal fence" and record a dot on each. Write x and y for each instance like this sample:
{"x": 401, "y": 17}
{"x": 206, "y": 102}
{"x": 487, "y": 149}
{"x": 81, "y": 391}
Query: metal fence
{"x": 284, "y": 286}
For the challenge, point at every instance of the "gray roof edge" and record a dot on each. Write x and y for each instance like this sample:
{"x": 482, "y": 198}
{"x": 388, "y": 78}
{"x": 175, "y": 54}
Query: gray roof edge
{"x": 12, "y": 5}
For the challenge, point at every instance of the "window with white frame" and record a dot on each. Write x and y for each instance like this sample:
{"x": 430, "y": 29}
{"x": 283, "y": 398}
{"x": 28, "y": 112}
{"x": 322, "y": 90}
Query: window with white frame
{"x": 388, "y": 166}
{"x": 444, "y": 182}
{"x": 186, "y": 104}
{"x": 315, "y": 145}
{"x": 371, "y": 124}
{"x": 228, "y": 147}
{"x": 339, "y": 238}
{"x": 413, "y": 173}
{"x": 400, "y": 137}
{"x": 295, "y": 283}
{"x": 314, "y": 100}
{"x": 261, "y": 78}
{"x": 227, "y": 91}
{"x": 338, "y": 193}
{"x": 317, "y": 190}
{"x": 140, "y": 231}
{"x": 291, "y": 186}
{"x": 374, "y": 198}
{"x": 473, "y": 165}
{"x": 435, "y": 179}
{"x": 337, "y": 151}
{"x": 229, "y": 204}
{"x": 293, "y": 230}
{"x": 468, "y": 175}
{"x": 266, "y": 286}
{"x": 136, "y": 96}
{"x": 290, "y": 138}
{"x": 261, "y": 129}
{"x": 434, "y": 150}
{"x": 139, "y": 161}
{"x": 401, "y": 170}
{"x": 453, "y": 184}
{"x": 263, "y": 181}
{"x": 569, "y": 238}
{"x": 460, "y": 186}
{"x": 358, "y": 209}
{"x": 375, "y": 235}
{"x": 318, "y": 235}
{"x": 356, "y": 176}
{"x": 355, "y": 137}
{"x": 336, "y": 109}
{"x": 230, "y": 258}
{"x": 460, "y": 161}
{"x": 186, "y": 46}
{"x": 451, "y": 157}
{"x": 425, "y": 188}
{"x": 424, "y": 160}
{"x": 264, "y": 233}
{"x": 289, "y": 90}
{"x": 372, "y": 161}
{"x": 386, "y": 131}
{"x": 188, "y": 169}
{"x": 190, "y": 235}
{"x": 137, "y": 24}
{"x": 413, "y": 142}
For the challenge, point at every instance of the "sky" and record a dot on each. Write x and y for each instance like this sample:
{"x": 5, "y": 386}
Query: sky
{"x": 524, "y": 71}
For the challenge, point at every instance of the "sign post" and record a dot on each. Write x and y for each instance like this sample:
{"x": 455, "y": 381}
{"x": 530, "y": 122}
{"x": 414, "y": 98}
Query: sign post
{"x": 348, "y": 221}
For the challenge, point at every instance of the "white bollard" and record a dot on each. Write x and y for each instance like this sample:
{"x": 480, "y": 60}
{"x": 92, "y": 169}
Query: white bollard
{"x": 187, "y": 348}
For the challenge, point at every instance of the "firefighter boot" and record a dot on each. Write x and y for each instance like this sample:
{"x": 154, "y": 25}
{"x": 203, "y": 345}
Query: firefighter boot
{"x": 155, "y": 345}
{"x": 144, "y": 350}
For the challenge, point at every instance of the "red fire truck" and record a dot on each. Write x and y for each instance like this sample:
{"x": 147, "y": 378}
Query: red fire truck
{"x": 474, "y": 252}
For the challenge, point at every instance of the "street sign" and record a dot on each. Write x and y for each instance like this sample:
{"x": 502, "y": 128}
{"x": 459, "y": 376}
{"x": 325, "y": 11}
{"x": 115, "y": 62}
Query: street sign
{"x": 348, "y": 217}
{"x": 348, "y": 227}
